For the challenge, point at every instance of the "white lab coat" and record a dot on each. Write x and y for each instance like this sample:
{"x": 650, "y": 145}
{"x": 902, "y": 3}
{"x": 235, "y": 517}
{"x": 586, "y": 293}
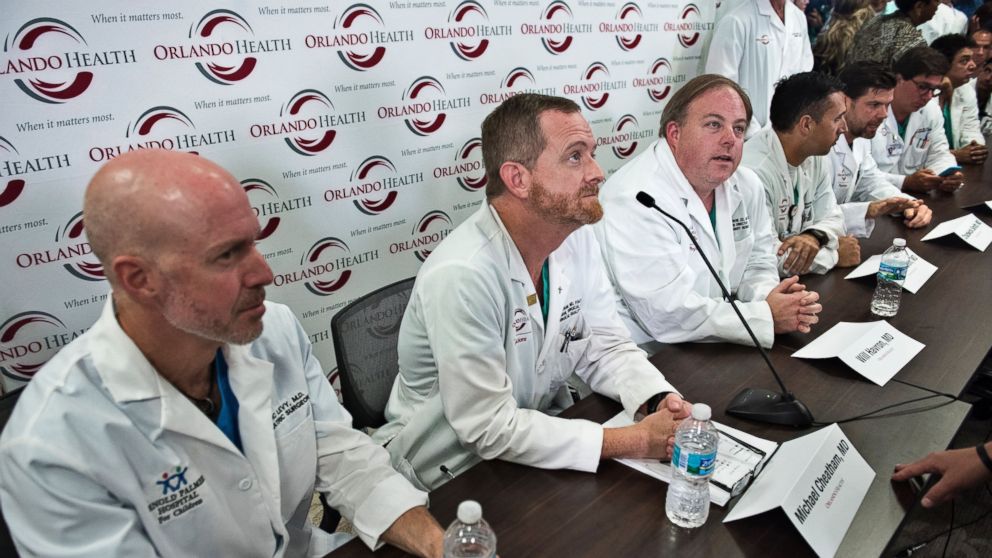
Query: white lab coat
{"x": 84, "y": 455}
{"x": 754, "y": 48}
{"x": 858, "y": 182}
{"x": 664, "y": 290}
{"x": 814, "y": 179}
{"x": 965, "y": 124}
{"x": 927, "y": 146}
{"x": 945, "y": 21}
{"x": 722, "y": 8}
{"x": 479, "y": 371}
{"x": 986, "y": 120}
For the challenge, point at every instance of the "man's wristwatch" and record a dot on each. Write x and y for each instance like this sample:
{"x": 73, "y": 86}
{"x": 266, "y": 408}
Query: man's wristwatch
{"x": 651, "y": 405}
{"x": 820, "y": 236}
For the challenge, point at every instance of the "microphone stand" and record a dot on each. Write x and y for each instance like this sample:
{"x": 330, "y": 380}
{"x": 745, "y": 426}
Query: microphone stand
{"x": 755, "y": 404}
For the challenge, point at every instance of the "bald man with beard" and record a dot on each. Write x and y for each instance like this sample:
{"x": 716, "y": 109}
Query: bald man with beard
{"x": 192, "y": 419}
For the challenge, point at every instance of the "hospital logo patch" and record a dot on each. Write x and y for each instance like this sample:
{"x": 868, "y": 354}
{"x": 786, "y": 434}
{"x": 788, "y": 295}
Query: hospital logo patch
{"x": 178, "y": 494}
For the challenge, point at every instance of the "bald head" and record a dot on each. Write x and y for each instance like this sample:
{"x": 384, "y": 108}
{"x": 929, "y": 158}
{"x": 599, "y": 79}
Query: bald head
{"x": 147, "y": 200}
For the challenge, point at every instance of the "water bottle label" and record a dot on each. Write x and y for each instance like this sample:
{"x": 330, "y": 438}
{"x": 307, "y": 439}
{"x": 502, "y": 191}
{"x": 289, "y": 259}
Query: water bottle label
{"x": 891, "y": 272}
{"x": 696, "y": 464}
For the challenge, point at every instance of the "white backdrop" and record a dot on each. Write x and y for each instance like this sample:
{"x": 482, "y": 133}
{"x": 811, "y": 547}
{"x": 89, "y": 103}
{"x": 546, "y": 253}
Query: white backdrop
{"x": 353, "y": 126}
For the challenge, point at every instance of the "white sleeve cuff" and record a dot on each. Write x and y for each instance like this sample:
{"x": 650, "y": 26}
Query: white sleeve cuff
{"x": 390, "y": 499}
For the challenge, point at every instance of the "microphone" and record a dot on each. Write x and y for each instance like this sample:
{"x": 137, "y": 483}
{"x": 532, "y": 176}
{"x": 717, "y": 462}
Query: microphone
{"x": 755, "y": 404}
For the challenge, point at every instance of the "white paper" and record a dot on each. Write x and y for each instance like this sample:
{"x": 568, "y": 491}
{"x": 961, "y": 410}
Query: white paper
{"x": 969, "y": 228}
{"x": 986, "y": 204}
{"x": 918, "y": 273}
{"x": 876, "y": 350}
{"x": 725, "y": 466}
{"x": 819, "y": 481}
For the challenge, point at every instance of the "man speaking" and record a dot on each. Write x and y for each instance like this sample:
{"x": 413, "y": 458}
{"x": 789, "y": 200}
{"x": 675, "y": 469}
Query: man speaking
{"x": 665, "y": 292}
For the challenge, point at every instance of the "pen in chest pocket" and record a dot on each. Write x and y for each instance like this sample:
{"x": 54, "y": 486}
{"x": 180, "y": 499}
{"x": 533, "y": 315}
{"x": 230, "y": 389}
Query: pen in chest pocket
{"x": 569, "y": 336}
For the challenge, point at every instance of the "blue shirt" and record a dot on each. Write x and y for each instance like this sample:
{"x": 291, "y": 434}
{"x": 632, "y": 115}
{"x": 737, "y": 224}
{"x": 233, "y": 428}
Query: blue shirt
{"x": 227, "y": 417}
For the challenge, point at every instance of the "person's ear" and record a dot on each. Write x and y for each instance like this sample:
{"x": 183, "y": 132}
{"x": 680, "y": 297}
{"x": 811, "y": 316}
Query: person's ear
{"x": 517, "y": 179}
{"x": 136, "y": 277}
{"x": 672, "y": 132}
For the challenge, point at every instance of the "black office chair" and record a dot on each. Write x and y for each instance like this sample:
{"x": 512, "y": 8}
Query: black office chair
{"x": 7, "y": 402}
{"x": 365, "y": 334}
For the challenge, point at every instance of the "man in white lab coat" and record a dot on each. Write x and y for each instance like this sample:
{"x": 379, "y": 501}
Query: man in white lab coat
{"x": 192, "y": 419}
{"x": 946, "y": 20}
{"x": 960, "y": 108}
{"x": 910, "y": 147}
{"x": 665, "y": 292}
{"x": 862, "y": 191}
{"x": 790, "y": 158}
{"x": 756, "y": 44}
{"x": 510, "y": 305}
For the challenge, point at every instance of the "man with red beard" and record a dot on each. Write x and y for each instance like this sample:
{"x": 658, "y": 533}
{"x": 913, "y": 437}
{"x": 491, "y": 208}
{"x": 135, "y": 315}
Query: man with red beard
{"x": 192, "y": 419}
{"x": 862, "y": 191}
{"x": 511, "y": 304}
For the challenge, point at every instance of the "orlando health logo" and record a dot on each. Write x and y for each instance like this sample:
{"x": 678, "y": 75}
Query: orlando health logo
{"x": 162, "y": 127}
{"x": 359, "y": 37}
{"x": 628, "y": 26}
{"x": 595, "y": 86}
{"x": 375, "y": 183}
{"x": 689, "y": 26}
{"x": 326, "y": 267}
{"x": 518, "y": 80}
{"x": 429, "y": 231}
{"x": 28, "y": 340}
{"x": 216, "y": 72}
{"x": 425, "y": 106}
{"x": 43, "y": 72}
{"x": 16, "y": 169}
{"x": 267, "y": 204}
{"x": 224, "y": 47}
{"x": 556, "y": 28}
{"x": 357, "y": 60}
{"x": 467, "y": 169}
{"x": 659, "y": 80}
{"x": 307, "y": 123}
{"x": 467, "y": 30}
{"x": 624, "y": 139}
{"x": 70, "y": 250}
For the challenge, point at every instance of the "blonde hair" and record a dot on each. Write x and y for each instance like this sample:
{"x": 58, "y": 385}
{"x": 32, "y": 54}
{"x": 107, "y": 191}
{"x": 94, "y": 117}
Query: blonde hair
{"x": 830, "y": 51}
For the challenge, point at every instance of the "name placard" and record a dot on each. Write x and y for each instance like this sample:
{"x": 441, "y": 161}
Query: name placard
{"x": 969, "y": 228}
{"x": 919, "y": 270}
{"x": 819, "y": 481}
{"x": 876, "y": 350}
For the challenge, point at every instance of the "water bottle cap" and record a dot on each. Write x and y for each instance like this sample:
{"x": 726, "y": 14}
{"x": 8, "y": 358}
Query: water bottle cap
{"x": 900, "y": 242}
{"x": 701, "y": 411}
{"x": 469, "y": 511}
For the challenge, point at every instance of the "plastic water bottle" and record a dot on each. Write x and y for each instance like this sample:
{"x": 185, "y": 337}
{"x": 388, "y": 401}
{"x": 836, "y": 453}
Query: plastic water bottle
{"x": 891, "y": 275}
{"x": 693, "y": 461}
{"x": 469, "y": 536}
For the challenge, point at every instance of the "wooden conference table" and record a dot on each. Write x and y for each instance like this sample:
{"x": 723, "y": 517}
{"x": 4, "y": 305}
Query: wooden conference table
{"x": 620, "y": 512}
